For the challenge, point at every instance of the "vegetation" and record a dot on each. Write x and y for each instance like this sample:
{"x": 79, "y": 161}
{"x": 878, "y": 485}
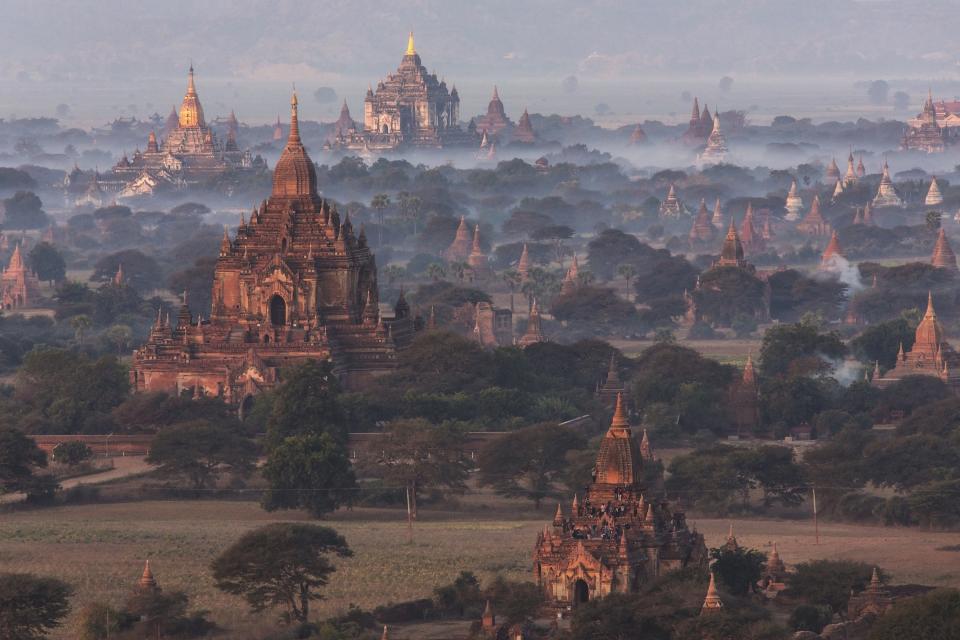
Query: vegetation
{"x": 31, "y": 606}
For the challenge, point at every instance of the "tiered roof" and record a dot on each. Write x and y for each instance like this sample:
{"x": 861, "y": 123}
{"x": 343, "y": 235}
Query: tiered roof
{"x": 943, "y": 256}
{"x": 813, "y": 223}
{"x": 934, "y": 197}
{"x": 702, "y": 229}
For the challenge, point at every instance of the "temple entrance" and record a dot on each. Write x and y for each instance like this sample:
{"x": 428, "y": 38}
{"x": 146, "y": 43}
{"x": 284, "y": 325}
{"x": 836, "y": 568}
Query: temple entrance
{"x": 581, "y": 593}
{"x": 246, "y": 407}
{"x": 278, "y": 311}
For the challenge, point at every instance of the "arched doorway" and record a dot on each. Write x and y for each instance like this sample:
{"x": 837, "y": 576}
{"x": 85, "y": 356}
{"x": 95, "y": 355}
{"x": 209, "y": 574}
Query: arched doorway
{"x": 278, "y": 311}
{"x": 581, "y": 592}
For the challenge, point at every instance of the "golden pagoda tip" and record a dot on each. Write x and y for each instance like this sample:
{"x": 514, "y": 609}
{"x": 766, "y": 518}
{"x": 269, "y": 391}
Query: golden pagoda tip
{"x": 410, "y": 48}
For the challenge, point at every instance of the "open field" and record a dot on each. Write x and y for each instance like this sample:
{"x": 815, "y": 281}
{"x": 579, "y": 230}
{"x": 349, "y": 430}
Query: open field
{"x": 100, "y": 550}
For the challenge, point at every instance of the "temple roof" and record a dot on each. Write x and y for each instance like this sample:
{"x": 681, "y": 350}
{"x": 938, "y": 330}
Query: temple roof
{"x": 943, "y": 255}
{"x": 833, "y": 249}
{"x": 731, "y": 254}
{"x": 191, "y": 112}
{"x": 295, "y": 175}
{"x": 618, "y": 459}
{"x": 929, "y": 335}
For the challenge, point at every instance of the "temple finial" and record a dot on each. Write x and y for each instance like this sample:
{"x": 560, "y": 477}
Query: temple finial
{"x": 410, "y": 48}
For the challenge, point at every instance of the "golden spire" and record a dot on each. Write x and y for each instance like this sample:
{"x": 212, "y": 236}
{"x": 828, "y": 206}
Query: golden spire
{"x": 620, "y": 424}
{"x": 191, "y": 88}
{"x": 712, "y": 602}
{"x": 294, "y": 123}
{"x": 411, "y": 51}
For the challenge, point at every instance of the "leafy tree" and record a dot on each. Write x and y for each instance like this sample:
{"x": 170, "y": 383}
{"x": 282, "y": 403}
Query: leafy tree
{"x": 200, "y": 451}
{"x": 280, "y": 565}
{"x": 140, "y": 271}
{"x": 442, "y": 362}
{"x": 663, "y": 368}
{"x": 30, "y": 607}
{"x": 514, "y": 602}
{"x": 460, "y": 595}
{"x": 195, "y": 281}
{"x": 663, "y": 275}
{"x": 932, "y": 616}
{"x": 308, "y": 471}
{"x": 792, "y": 401}
{"x": 524, "y": 223}
{"x": 306, "y": 403}
{"x": 726, "y": 292}
{"x": 801, "y": 348}
{"x": 47, "y": 263}
{"x": 807, "y": 617}
{"x": 380, "y": 202}
{"x": 119, "y": 335}
{"x": 595, "y": 307}
{"x": 935, "y": 503}
{"x": 418, "y": 455}
{"x": 72, "y": 453}
{"x": 881, "y": 342}
{"x": 19, "y": 457}
{"x": 611, "y": 248}
{"x": 24, "y": 211}
{"x": 792, "y": 294}
{"x": 528, "y": 462}
{"x": 908, "y": 461}
{"x": 829, "y": 582}
{"x": 739, "y": 570}
{"x": 163, "y": 614}
{"x": 80, "y": 325}
{"x": 616, "y": 617}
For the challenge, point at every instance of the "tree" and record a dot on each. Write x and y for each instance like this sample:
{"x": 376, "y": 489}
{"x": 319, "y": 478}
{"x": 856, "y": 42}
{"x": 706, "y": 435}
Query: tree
{"x": 738, "y": 569}
{"x": 140, "y": 271}
{"x": 19, "y": 457}
{"x": 797, "y": 349}
{"x": 200, "y": 451}
{"x": 909, "y": 461}
{"x": 418, "y": 455}
{"x": 307, "y": 403}
{"x": 47, "y": 263}
{"x": 31, "y": 606}
{"x": 380, "y": 202}
{"x": 726, "y": 292}
{"x": 307, "y": 471}
{"x": 80, "y": 324}
{"x": 932, "y": 219}
{"x": 411, "y": 208}
{"x": 880, "y": 342}
{"x": 932, "y": 616}
{"x": 617, "y": 616}
{"x": 598, "y": 309}
{"x": 829, "y": 582}
{"x": 460, "y": 595}
{"x": 807, "y": 617}
{"x": 628, "y": 272}
{"x": 24, "y": 211}
{"x": 72, "y": 453}
{"x": 528, "y": 462}
{"x": 119, "y": 335}
{"x": 280, "y": 565}
{"x": 555, "y": 234}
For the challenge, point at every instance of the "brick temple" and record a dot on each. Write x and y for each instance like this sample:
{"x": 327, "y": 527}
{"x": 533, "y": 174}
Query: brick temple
{"x": 296, "y": 283}
{"x": 620, "y": 536}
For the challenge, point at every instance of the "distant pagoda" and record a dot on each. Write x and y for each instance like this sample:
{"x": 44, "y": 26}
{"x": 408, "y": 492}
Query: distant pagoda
{"x": 700, "y": 126}
{"x": 523, "y": 133}
{"x": 832, "y": 253}
{"x": 833, "y": 171}
{"x": 934, "y": 197}
{"x": 638, "y": 135}
{"x": 943, "y": 256}
{"x": 459, "y": 250}
{"x": 850, "y": 177}
{"x": 794, "y": 204}
{"x": 886, "y": 194}
{"x": 702, "y": 230}
{"x": 731, "y": 253}
{"x": 716, "y": 150}
{"x": 671, "y": 206}
{"x": 752, "y": 240}
{"x": 717, "y": 219}
{"x": 19, "y": 287}
{"x": 924, "y": 133}
{"x": 931, "y": 354}
{"x": 495, "y": 120}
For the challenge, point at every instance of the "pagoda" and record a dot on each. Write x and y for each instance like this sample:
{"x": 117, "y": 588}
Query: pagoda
{"x": 147, "y": 583}
{"x": 832, "y": 254}
{"x": 886, "y": 194}
{"x": 794, "y": 204}
{"x": 837, "y": 191}
{"x": 638, "y": 136}
{"x": 19, "y": 286}
{"x": 671, "y": 207}
{"x": 744, "y": 397}
{"x": 868, "y": 214}
{"x": 934, "y": 197}
{"x": 752, "y": 241}
{"x": 534, "y": 332}
{"x": 943, "y": 256}
{"x": 523, "y": 264}
{"x": 833, "y": 171}
{"x": 619, "y": 537}
{"x": 612, "y": 386}
{"x": 702, "y": 229}
{"x": 716, "y": 149}
{"x": 571, "y": 281}
{"x": 699, "y": 127}
{"x": 850, "y": 177}
{"x": 924, "y": 133}
{"x": 495, "y": 120}
{"x": 524, "y": 133}
{"x": 813, "y": 223}
{"x": 873, "y": 600}
{"x": 731, "y": 254}
{"x": 717, "y": 218}
{"x": 295, "y": 284}
{"x": 477, "y": 259}
{"x": 459, "y": 250}
{"x": 712, "y": 602}
{"x": 344, "y": 126}
{"x": 861, "y": 170}
{"x": 410, "y": 108}
{"x": 189, "y": 153}
{"x": 930, "y": 355}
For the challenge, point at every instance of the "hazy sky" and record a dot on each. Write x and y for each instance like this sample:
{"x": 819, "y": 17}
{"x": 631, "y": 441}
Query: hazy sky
{"x": 86, "y": 46}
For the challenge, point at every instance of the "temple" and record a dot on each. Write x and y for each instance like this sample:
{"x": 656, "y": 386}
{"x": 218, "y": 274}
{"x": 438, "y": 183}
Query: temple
{"x": 751, "y": 239}
{"x": 744, "y": 398}
{"x": 409, "y": 108}
{"x": 495, "y": 121}
{"x": 930, "y": 355}
{"x": 850, "y": 177}
{"x": 620, "y": 536}
{"x": 534, "y": 332}
{"x": 832, "y": 254}
{"x": 886, "y": 194}
{"x": 671, "y": 207}
{"x": 731, "y": 253}
{"x": 19, "y": 287}
{"x": 459, "y": 250}
{"x": 701, "y": 124}
{"x": 813, "y": 224}
{"x": 295, "y": 284}
{"x": 612, "y": 386}
{"x": 924, "y": 133}
{"x": 189, "y": 153}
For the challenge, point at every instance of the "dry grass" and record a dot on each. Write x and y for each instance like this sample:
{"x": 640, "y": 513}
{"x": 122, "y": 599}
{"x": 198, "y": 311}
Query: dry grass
{"x": 100, "y": 550}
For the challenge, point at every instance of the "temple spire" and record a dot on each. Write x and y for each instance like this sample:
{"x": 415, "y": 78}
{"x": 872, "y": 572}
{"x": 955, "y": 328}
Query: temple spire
{"x": 411, "y": 50}
{"x": 712, "y": 602}
{"x": 294, "y": 122}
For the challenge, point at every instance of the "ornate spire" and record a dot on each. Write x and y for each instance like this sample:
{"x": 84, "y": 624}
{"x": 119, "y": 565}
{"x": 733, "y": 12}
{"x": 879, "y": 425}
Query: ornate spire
{"x": 943, "y": 256}
{"x": 619, "y": 425}
{"x": 558, "y": 516}
{"x": 712, "y": 602}
{"x": 294, "y": 175}
{"x": 147, "y": 582}
{"x": 411, "y": 50}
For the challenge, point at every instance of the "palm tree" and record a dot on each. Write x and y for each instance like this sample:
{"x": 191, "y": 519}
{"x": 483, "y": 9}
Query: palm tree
{"x": 627, "y": 272}
{"x": 436, "y": 272}
{"x": 380, "y": 202}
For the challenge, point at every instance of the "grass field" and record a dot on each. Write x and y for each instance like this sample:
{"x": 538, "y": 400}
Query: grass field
{"x": 100, "y": 550}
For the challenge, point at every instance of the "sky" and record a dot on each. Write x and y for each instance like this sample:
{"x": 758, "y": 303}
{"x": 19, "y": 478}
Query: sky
{"x": 131, "y": 56}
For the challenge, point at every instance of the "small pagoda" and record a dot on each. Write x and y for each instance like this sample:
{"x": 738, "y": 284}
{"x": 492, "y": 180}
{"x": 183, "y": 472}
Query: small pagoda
{"x": 850, "y": 177}
{"x": 832, "y": 254}
{"x": 19, "y": 286}
{"x": 943, "y": 256}
{"x": 718, "y": 219}
{"x": 931, "y": 355}
{"x": 459, "y": 250}
{"x": 702, "y": 230}
{"x": 794, "y": 204}
{"x": 813, "y": 224}
{"x": 886, "y": 194}
{"x": 752, "y": 240}
{"x": 934, "y": 197}
{"x": 671, "y": 206}
{"x": 716, "y": 150}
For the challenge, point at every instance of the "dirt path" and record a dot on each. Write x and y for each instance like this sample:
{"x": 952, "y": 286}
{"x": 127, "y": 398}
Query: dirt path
{"x": 123, "y": 466}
